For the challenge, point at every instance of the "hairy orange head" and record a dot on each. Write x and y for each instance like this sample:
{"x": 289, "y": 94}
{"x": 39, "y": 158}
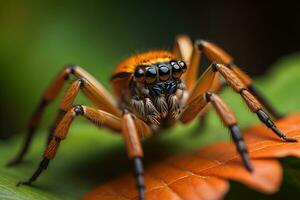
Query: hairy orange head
{"x": 128, "y": 65}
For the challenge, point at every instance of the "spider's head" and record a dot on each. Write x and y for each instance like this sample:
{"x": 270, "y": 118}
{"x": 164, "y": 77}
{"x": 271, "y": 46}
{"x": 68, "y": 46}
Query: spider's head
{"x": 162, "y": 77}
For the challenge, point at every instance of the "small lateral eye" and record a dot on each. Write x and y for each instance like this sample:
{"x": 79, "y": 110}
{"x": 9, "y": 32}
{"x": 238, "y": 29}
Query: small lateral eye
{"x": 164, "y": 72}
{"x": 176, "y": 70}
{"x": 151, "y": 74}
{"x": 182, "y": 65}
{"x": 139, "y": 74}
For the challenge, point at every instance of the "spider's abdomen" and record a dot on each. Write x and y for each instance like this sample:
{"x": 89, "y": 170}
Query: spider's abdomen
{"x": 150, "y": 86}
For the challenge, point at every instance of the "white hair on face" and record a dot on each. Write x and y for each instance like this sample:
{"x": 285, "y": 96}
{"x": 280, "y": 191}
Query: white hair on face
{"x": 174, "y": 106}
{"x": 138, "y": 106}
{"x": 179, "y": 93}
{"x": 161, "y": 105}
{"x": 181, "y": 86}
{"x": 151, "y": 112}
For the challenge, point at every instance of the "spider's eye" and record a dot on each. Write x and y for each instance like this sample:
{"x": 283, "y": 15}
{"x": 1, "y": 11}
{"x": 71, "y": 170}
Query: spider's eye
{"x": 139, "y": 74}
{"x": 151, "y": 74}
{"x": 176, "y": 70}
{"x": 182, "y": 65}
{"x": 164, "y": 72}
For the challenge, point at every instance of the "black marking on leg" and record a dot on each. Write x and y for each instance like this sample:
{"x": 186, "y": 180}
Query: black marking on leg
{"x": 139, "y": 176}
{"x": 79, "y": 110}
{"x": 81, "y": 82}
{"x": 242, "y": 90}
{"x": 215, "y": 67}
{"x": 264, "y": 117}
{"x": 241, "y": 147}
{"x": 43, "y": 165}
{"x": 208, "y": 96}
{"x": 72, "y": 68}
{"x": 199, "y": 44}
{"x": 265, "y": 103}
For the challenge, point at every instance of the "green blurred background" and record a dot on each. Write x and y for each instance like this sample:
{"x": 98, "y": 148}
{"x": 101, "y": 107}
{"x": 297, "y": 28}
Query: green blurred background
{"x": 37, "y": 38}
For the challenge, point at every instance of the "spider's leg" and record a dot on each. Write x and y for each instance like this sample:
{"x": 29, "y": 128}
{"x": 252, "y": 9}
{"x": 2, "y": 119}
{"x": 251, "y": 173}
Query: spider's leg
{"x": 183, "y": 48}
{"x": 191, "y": 54}
{"x": 98, "y": 117}
{"x": 134, "y": 150}
{"x": 93, "y": 90}
{"x": 216, "y": 54}
{"x": 251, "y": 101}
{"x": 128, "y": 126}
{"x": 227, "y": 118}
{"x": 206, "y": 81}
{"x": 51, "y": 92}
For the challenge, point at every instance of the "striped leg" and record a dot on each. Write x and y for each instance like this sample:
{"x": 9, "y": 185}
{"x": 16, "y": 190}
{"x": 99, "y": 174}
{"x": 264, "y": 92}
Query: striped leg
{"x": 134, "y": 150}
{"x": 228, "y": 120}
{"x": 126, "y": 124}
{"x": 205, "y": 83}
{"x": 98, "y": 117}
{"x": 216, "y": 54}
{"x": 184, "y": 49}
{"x": 92, "y": 89}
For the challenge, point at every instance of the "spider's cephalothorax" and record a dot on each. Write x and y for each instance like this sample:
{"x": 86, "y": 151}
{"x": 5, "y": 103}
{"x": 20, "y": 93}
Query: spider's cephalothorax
{"x": 153, "y": 90}
{"x": 156, "y": 91}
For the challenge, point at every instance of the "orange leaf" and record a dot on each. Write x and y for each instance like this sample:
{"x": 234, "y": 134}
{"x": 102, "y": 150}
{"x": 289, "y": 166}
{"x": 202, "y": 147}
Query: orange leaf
{"x": 204, "y": 174}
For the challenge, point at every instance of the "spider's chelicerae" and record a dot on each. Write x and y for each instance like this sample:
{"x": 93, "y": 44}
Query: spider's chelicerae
{"x": 153, "y": 91}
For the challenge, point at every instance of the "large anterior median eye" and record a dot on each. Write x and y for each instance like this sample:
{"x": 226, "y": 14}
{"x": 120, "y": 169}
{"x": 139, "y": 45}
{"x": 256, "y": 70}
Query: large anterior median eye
{"x": 164, "y": 72}
{"x": 139, "y": 74}
{"x": 150, "y": 74}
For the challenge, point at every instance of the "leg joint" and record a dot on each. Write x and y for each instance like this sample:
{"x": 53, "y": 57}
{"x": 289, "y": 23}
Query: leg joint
{"x": 215, "y": 67}
{"x": 78, "y": 110}
{"x": 200, "y": 44}
{"x": 207, "y": 96}
{"x": 57, "y": 139}
{"x": 81, "y": 82}
{"x": 242, "y": 90}
{"x": 72, "y": 68}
